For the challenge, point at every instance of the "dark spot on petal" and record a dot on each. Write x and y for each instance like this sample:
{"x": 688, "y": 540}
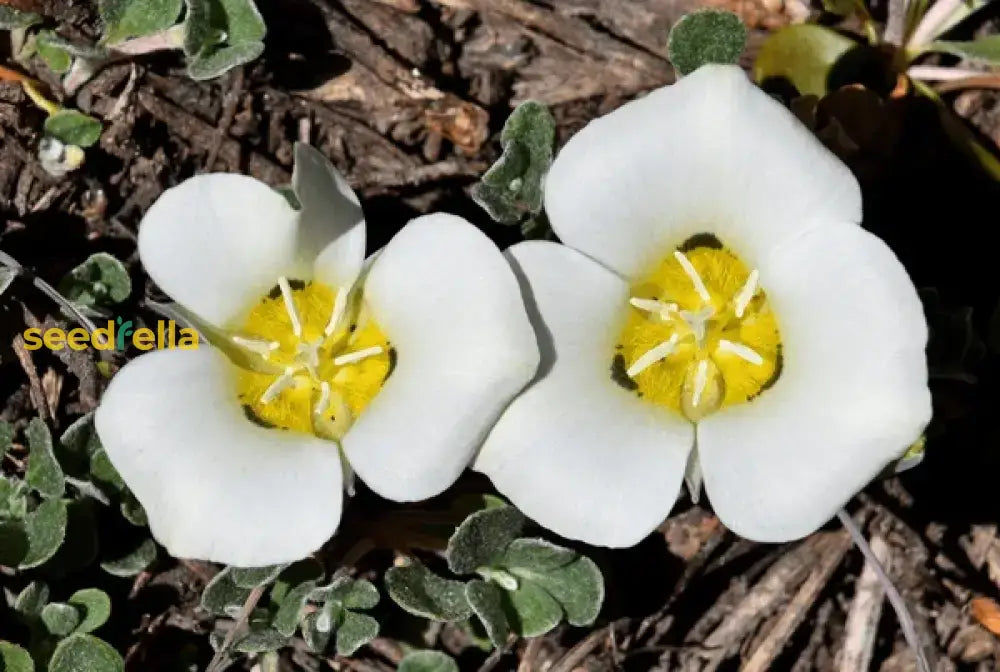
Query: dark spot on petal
{"x": 352, "y": 328}
{"x": 618, "y": 347}
{"x": 619, "y": 374}
{"x": 294, "y": 284}
{"x": 393, "y": 357}
{"x": 701, "y": 240}
{"x": 779, "y": 364}
{"x": 256, "y": 419}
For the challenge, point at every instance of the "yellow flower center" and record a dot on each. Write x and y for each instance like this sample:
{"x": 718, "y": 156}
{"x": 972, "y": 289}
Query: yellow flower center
{"x": 699, "y": 334}
{"x": 318, "y": 359}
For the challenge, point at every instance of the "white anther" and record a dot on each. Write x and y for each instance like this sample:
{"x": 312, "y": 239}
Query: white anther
{"x": 700, "y": 381}
{"x": 339, "y": 306}
{"x": 746, "y": 293}
{"x": 742, "y": 351}
{"x": 358, "y": 355}
{"x": 323, "y": 404}
{"x": 692, "y": 272}
{"x": 278, "y": 386}
{"x": 293, "y": 313}
{"x": 256, "y": 345}
{"x": 652, "y": 356}
{"x": 664, "y": 310}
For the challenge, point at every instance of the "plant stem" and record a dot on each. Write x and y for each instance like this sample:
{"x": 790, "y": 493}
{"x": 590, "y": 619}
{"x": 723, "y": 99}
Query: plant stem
{"x": 218, "y": 660}
{"x": 898, "y": 603}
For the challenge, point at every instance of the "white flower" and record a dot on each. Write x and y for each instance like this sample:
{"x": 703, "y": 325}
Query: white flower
{"x": 403, "y": 363}
{"x": 722, "y": 314}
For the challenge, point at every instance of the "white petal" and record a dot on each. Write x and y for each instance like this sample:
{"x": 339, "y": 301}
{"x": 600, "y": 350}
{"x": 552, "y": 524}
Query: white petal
{"x": 452, "y": 308}
{"x": 216, "y": 486}
{"x": 217, "y": 243}
{"x": 711, "y": 153}
{"x": 576, "y": 452}
{"x": 851, "y": 397}
{"x": 331, "y": 224}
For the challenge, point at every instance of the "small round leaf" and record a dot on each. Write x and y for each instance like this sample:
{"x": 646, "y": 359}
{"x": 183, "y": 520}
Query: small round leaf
{"x": 46, "y": 529}
{"x": 482, "y": 538}
{"x": 95, "y": 606}
{"x": 706, "y": 36}
{"x": 72, "y": 127}
{"x": 85, "y": 653}
{"x": 487, "y": 601}
{"x": 60, "y": 619}
{"x": 422, "y": 593}
{"x": 12, "y": 657}
{"x": 427, "y": 661}
{"x": 355, "y": 631}
{"x": 131, "y": 564}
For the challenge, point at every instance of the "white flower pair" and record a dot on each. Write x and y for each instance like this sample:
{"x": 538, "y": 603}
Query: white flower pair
{"x": 717, "y": 311}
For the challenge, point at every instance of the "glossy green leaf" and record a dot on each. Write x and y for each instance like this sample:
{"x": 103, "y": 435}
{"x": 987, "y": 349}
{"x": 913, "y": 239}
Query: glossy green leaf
{"x": 513, "y": 186}
{"x": 487, "y": 601}
{"x": 73, "y": 128}
{"x": 136, "y": 18}
{"x": 427, "y": 661}
{"x": 422, "y": 593}
{"x": 95, "y": 605}
{"x": 578, "y": 587}
{"x": 984, "y": 50}
{"x": 261, "y": 641}
{"x": 706, "y": 36}
{"x": 60, "y": 619}
{"x": 536, "y": 555}
{"x": 85, "y": 653}
{"x": 222, "y": 597}
{"x": 13, "y": 19}
{"x": 12, "y": 657}
{"x": 803, "y": 54}
{"x": 46, "y": 529}
{"x": 44, "y": 473}
{"x": 101, "y": 280}
{"x": 253, "y": 577}
{"x": 531, "y": 610}
{"x": 354, "y": 631}
{"x": 286, "y": 620}
{"x": 482, "y": 538}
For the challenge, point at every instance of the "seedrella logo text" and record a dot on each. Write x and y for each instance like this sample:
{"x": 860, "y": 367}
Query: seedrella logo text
{"x": 117, "y": 335}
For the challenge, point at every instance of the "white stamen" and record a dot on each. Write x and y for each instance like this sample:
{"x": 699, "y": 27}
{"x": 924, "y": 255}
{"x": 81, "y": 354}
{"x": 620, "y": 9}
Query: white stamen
{"x": 358, "y": 355}
{"x": 700, "y": 381}
{"x": 742, "y": 351}
{"x": 746, "y": 293}
{"x": 323, "y": 404}
{"x": 257, "y": 345}
{"x": 278, "y": 386}
{"x": 664, "y": 310}
{"x": 293, "y": 314}
{"x": 652, "y": 356}
{"x": 339, "y": 306}
{"x": 692, "y": 272}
